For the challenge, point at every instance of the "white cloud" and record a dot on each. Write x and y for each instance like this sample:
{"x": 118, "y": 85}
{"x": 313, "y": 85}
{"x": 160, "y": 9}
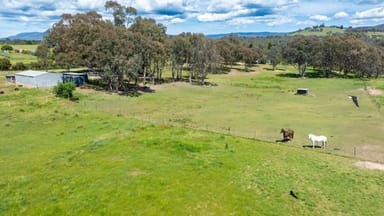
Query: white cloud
{"x": 91, "y": 4}
{"x": 319, "y": 18}
{"x": 240, "y": 21}
{"x": 341, "y": 15}
{"x": 306, "y": 23}
{"x": 177, "y": 20}
{"x": 280, "y": 21}
{"x": 372, "y": 13}
{"x": 151, "y": 5}
{"x": 269, "y": 20}
{"x": 367, "y": 22}
{"x": 24, "y": 19}
{"x": 211, "y": 17}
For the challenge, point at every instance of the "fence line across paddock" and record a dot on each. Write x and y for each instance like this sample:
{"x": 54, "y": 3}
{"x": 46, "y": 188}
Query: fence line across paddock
{"x": 355, "y": 151}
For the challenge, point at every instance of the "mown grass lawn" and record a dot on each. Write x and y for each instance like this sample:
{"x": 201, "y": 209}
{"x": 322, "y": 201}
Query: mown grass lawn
{"x": 64, "y": 158}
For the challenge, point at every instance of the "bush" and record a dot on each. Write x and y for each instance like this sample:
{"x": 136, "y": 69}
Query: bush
{"x": 65, "y": 90}
{"x": 19, "y": 66}
{"x": 5, "y": 64}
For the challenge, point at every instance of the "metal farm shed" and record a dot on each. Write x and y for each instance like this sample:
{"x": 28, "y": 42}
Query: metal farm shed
{"x": 78, "y": 78}
{"x": 38, "y": 78}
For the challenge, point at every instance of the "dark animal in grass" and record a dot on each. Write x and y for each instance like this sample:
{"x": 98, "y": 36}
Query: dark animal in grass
{"x": 354, "y": 99}
{"x": 293, "y": 195}
{"x": 287, "y": 134}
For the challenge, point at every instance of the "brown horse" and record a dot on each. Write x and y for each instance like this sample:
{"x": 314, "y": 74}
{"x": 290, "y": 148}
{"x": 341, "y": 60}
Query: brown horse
{"x": 287, "y": 134}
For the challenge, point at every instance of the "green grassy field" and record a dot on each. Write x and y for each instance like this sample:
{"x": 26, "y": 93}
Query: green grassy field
{"x": 324, "y": 32}
{"x": 259, "y": 104}
{"x": 20, "y": 57}
{"x": 107, "y": 156}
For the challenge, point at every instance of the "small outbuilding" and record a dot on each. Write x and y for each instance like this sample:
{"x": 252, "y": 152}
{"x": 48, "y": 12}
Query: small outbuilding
{"x": 38, "y": 78}
{"x": 10, "y": 78}
{"x": 78, "y": 78}
{"x": 302, "y": 91}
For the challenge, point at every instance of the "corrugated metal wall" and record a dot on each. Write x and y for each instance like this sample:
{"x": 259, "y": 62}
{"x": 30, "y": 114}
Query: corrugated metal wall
{"x": 48, "y": 79}
{"x": 44, "y": 80}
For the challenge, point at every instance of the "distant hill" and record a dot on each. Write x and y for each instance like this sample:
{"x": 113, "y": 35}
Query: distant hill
{"x": 331, "y": 30}
{"x": 39, "y": 35}
{"x": 315, "y": 30}
{"x": 377, "y": 28}
{"x": 319, "y": 31}
{"x": 27, "y": 36}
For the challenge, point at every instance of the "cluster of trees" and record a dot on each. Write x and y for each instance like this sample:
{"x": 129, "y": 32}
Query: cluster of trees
{"x": 6, "y": 48}
{"x": 345, "y": 54}
{"x": 131, "y": 48}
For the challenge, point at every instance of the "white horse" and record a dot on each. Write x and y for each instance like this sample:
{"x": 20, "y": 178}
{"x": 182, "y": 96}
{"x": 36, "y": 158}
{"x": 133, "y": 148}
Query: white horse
{"x": 314, "y": 139}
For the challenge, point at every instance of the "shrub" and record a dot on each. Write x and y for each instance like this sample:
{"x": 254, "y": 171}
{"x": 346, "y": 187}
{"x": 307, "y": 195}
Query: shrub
{"x": 65, "y": 89}
{"x": 5, "y": 64}
{"x": 19, "y": 66}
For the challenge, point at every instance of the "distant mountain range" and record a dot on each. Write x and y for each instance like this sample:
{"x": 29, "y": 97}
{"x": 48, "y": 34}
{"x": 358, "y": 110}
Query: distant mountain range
{"x": 40, "y": 35}
{"x": 27, "y": 36}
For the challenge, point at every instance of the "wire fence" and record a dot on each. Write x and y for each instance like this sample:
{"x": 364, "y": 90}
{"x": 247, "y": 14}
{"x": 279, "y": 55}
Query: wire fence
{"x": 360, "y": 152}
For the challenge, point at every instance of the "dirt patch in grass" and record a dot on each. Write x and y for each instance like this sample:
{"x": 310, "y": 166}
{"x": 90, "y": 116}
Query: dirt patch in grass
{"x": 135, "y": 172}
{"x": 168, "y": 85}
{"x": 238, "y": 73}
{"x": 375, "y": 92}
{"x": 370, "y": 165}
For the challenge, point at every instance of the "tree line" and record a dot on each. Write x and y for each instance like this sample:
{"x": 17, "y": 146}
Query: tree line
{"x": 132, "y": 49}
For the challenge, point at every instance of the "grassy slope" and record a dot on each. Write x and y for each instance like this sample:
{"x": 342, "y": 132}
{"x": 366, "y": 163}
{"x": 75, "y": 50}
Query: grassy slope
{"x": 325, "y": 31}
{"x": 64, "y": 158}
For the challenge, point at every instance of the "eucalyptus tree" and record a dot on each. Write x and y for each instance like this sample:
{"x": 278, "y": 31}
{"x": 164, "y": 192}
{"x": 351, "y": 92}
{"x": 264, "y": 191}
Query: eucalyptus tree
{"x": 150, "y": 44}
{"x": 249, "y": 56}
{"x": 121, "y": 15}
{"x": 43, "y": 53}
{"x": 274, "y": 55}
{"x": 204, "y": 57}
{"x": 179, "y": 50}
{"x": 228, "y": 51}
{"x": 351, "y": 49}
{"x": 330, "y": 53}
{"x": 370, "y": 62}
{"x": 72, "y": 37}
{"x": 302, "y": 51}
{"x": 89, "y": 40}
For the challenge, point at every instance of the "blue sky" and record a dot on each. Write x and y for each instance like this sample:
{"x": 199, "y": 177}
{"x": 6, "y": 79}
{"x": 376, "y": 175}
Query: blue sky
{"x": 201, "y": 16}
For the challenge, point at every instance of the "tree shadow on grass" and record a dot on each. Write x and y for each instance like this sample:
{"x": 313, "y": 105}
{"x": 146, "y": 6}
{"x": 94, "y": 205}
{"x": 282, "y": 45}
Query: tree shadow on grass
{"x": 133, "y": 90}
{"x": 276, "y": 69}
{"x": 310, "y": 74}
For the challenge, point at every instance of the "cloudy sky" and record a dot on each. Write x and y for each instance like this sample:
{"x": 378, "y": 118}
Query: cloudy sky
{"x": 201, "y": 16}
